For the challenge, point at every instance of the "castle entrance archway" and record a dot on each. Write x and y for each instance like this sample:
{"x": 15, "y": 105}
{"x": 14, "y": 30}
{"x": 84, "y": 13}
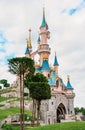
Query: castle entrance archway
{"x": 61, "y": 111}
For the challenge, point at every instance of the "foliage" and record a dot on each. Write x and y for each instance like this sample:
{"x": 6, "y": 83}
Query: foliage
{"x": 35, "y": 78}
{"x": 63, "y": 126}
{"x": 77, "y": 110}
{"x": 39, "y": 87}
{"x": 4, "y": 82}
{"x": 39, "y": 90}
{"x": 7, "y": 126}
{"x": 21, "y": 65}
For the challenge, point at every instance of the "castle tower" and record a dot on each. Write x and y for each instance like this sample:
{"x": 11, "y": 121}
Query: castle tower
{"x": 43, "y": 49}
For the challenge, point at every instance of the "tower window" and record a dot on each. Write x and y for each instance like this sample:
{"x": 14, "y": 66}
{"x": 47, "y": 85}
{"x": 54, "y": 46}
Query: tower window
{"x": 57, "y": 83}
{"x": 48, "y": 75}
{"x": 52, "y": 103}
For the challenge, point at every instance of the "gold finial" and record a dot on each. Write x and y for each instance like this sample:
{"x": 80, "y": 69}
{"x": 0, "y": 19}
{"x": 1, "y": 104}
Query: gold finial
{"x": 68, "y": 78}
{"x": 29, "y": 39}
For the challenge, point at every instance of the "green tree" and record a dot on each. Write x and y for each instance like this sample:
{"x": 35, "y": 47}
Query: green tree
{"x": 39, "y": 90}
{"x": 82, "y": 110}
{"x": 21, "y": 66}
{"x": 77, "y": 110}
{"x": 0, "y": 87}
{"x": 4, "y": 82}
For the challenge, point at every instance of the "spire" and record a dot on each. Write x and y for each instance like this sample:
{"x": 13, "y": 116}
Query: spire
{"x": 44, "y": 23}
{"x": 27, "y": 50}
{"x": 29, "y": 45}
{"x": 55, "y": 61}
{"x": 29, "y": 40}
{"x": 69, "y": 86}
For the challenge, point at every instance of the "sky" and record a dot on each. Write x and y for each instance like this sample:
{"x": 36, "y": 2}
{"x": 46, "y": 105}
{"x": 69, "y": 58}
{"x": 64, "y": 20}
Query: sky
{"x": 66, "y": 21}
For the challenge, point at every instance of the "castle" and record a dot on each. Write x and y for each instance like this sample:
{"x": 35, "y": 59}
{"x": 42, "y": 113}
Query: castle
{"x": 61, "y": 104}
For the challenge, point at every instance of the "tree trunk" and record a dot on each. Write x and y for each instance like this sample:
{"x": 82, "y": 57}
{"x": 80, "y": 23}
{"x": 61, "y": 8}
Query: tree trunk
{"x": 38, "y": 112}
{"x": 21, "y": 104}
{"x": 23, "y": 100}
{"x": 21, "y": 125}
{"x": 33, "y": 113}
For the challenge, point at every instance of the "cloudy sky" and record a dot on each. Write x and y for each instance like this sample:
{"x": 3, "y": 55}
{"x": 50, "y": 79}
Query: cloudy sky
{"x": 66, "y": 21}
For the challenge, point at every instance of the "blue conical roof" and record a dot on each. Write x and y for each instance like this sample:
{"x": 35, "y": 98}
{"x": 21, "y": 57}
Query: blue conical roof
{"x": 45, "y": 65}
{"x": 69, "y": 86}
{"x": 55, "y": 61}
{"x": 44, "y": 23}
{"x": 27, "y": 50}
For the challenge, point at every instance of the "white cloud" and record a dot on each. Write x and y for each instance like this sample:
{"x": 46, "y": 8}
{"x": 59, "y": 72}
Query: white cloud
{"x": 2, "y": 55}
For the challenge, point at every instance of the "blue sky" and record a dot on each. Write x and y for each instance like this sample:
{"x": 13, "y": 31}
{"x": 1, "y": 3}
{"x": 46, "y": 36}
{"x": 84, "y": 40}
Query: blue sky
{"x": 75, "y": 8}
{"x": 66, "y": 21}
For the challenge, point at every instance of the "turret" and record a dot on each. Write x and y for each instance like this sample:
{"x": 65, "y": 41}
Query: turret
{"x": 69, "y": 86}
{"x": 56, "y": 64}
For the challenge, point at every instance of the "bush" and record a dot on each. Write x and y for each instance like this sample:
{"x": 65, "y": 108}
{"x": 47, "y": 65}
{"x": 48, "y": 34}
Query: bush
{"x": 27, "y": 117}
{"x": 6, "y": 126}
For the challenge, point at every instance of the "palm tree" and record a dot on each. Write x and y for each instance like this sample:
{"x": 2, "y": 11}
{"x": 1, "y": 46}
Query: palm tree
{"x": 21, "y": 66}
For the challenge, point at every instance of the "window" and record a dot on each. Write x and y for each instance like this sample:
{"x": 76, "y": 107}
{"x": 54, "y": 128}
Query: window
{"x": 52, "y": 103}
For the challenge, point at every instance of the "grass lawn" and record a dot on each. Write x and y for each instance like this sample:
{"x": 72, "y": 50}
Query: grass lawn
{"x": 63, "y": 126}
{"x": 2, "y": 99}
{"x": 12, "y": 99}
{"x": 11, "y": 111}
